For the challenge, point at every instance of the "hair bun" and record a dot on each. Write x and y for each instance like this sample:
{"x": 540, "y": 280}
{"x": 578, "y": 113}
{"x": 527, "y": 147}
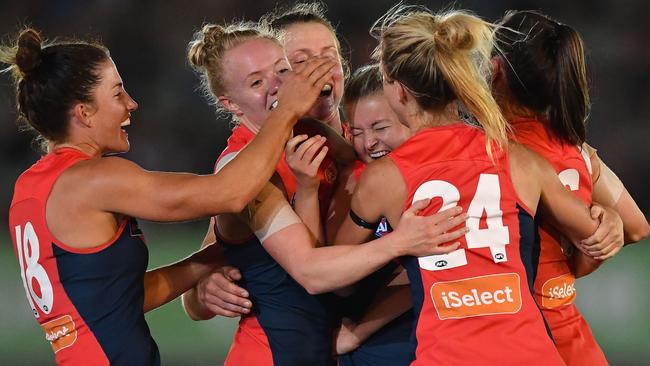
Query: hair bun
{"x": 28, "y": 55}
{"x": 204, "y": 41}
{"x": 453, "y": 32}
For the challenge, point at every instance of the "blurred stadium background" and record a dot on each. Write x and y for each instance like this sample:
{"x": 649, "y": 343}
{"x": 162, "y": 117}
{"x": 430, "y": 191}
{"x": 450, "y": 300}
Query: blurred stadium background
{"x": 176, "y": 130}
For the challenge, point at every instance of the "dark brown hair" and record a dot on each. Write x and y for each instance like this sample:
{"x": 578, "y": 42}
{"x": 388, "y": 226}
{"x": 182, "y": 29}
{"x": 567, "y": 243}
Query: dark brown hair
{"x": 51, "y": 78}
{"x": 364, "y": 82}
{"x": 546, "y": 72}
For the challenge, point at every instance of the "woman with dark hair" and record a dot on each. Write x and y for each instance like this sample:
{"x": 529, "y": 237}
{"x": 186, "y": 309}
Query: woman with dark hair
{"x": 82, "y": 257}
{"x": 540, "y": 82}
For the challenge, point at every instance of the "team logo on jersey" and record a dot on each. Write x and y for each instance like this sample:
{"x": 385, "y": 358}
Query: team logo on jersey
{"x": 60, "y": 332}
{"x": 559, "y": 291}
{"x": 477, "y": 296}
{"x": 382, "y": 229}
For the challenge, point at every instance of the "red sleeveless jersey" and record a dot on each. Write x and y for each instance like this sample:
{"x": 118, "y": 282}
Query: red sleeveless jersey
{"x": 554, "y": 284}
{"x": 88, "y": 301}
{"x": 473, "y": 306}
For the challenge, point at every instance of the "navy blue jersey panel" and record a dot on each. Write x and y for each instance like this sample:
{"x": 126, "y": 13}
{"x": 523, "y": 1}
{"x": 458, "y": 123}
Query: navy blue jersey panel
{"x": 107, "y": 288}
{"x": 298, "y": 326}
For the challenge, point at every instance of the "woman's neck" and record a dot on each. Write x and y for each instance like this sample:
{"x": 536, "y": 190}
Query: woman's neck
{"x": 424, "y": 119}
{"x": 85, "y": 147}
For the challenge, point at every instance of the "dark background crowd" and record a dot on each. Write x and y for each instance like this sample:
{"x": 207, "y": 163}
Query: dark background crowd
{"x": 175, "y": 129}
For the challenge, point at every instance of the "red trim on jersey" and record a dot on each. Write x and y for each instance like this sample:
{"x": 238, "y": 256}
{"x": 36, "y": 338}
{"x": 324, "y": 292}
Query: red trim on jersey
{"x": 98, "y": 248}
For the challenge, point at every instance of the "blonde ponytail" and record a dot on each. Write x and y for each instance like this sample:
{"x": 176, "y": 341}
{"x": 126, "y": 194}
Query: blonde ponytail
{"x": 442, "y": 58}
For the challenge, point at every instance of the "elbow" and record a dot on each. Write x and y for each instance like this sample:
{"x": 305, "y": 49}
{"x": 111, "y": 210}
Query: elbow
{"x": 315, "y": 289}
{"x": 313, "y": 286}
{"x": 238, "y": 203}
{"x": 638, "y": 234}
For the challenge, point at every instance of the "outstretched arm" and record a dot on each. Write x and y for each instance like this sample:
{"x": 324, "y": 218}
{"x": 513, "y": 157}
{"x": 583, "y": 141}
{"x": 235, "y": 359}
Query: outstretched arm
{"x": 119, "y": 186}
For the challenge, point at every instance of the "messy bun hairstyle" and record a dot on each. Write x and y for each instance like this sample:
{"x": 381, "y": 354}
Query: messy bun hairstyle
{"x": 50, "y": 78}
{"x": 209, "y": 45}
{"x": 440, "y": 58}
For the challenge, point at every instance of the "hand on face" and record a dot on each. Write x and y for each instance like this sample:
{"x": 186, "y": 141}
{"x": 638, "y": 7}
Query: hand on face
{"x": 302, "y": 86}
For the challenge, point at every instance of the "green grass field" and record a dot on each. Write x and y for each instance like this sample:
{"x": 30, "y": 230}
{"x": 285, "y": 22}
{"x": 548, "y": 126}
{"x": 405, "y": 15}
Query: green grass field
{"x": 614, "y": 300}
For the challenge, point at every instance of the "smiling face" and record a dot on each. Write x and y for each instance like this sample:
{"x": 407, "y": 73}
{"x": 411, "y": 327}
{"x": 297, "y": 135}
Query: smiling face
{"x": 110, "y": 110}
{"x": 376, "y": 130}
{"x": 252, "y": 73}
{"x": 305, "y": 40}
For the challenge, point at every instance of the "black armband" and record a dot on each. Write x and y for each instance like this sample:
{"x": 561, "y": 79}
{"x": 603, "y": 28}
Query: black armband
{"x": 364, "y": 224}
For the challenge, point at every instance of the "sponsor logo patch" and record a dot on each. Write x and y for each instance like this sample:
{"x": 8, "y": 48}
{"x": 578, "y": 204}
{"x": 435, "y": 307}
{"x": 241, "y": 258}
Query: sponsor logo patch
{"x": 477, "y": 296}
{"x": 559, "y": 291}
{"x": 60, "y": 332}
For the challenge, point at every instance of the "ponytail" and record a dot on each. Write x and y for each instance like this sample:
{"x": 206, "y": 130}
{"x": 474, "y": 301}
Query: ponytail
{"x": 546, "y": 71}
{"x": 442, "y": 58}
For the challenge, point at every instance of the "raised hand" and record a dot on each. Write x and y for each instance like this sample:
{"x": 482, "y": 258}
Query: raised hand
{"x": 302, "y": 86}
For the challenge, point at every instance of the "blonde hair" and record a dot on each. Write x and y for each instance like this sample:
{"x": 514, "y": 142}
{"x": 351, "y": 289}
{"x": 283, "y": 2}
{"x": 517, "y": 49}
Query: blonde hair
{"x": 209, "y": 46}
{"x": 440, "y": 58}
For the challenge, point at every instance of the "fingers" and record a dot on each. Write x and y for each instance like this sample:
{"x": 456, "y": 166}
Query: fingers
{"x": 219, "y": 282}
{"x": 445, "y": 249}
{"x": 222, "y": 308}
{"x": 320, "y": 157}
{"x": 449, "y": 223}
{"x": 597, "y": 237}
{"x": 610, "y": 255}
{"x": 309, "y": 148}
{"x": 310, "y": 65}
{"x": 417, "y": 206}
{"x": 596, "y": 211}
{"x": 450, "y": 236}
{"x": 232, "y": 273}
{"x": 223, "y": 297}
{"x": 294, "y": 142}
{"x": 322, "y": 72}
{"x": 445, "y": 215}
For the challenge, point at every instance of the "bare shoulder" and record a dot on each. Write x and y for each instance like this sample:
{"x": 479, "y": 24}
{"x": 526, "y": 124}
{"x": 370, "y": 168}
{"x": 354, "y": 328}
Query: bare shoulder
{"x": 100, "y": 169}
{"x": 380, "y": 175}
{"x": 381, "y": 188}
